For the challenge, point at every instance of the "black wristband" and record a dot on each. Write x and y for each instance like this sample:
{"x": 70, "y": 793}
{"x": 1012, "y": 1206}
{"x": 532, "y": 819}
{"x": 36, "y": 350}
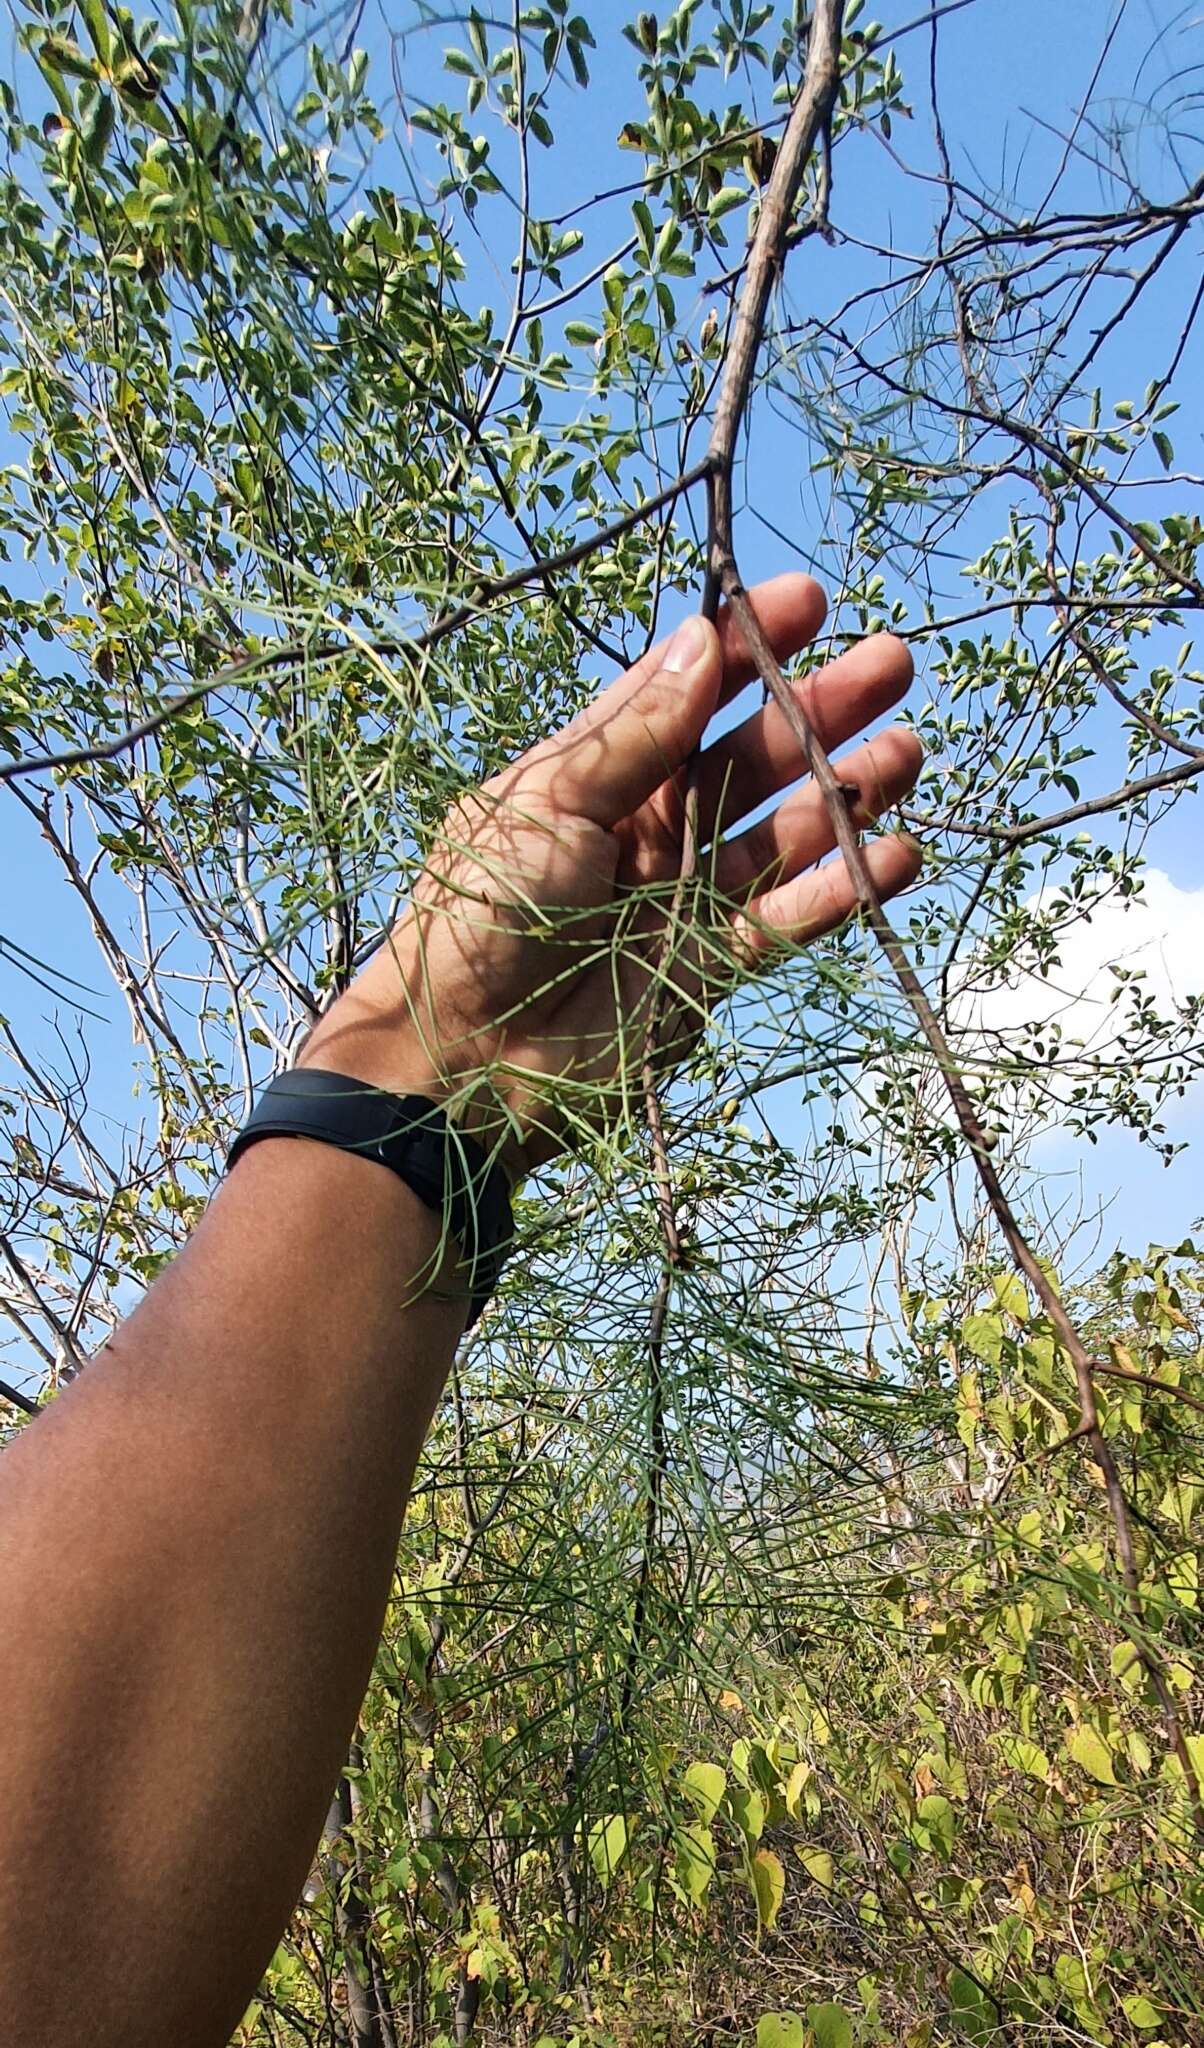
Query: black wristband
{"x": 447, "y": 1170}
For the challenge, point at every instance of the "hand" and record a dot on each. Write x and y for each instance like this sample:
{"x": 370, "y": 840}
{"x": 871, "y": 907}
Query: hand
{"x": 520, "y": 986}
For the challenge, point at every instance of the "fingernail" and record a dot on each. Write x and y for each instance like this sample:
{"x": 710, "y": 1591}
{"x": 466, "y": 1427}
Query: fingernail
{"x": 685, "y": 646}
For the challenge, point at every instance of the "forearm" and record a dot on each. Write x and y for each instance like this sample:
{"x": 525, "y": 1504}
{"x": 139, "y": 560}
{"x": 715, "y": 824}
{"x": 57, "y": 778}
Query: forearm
{"x": 196, "y": 1543}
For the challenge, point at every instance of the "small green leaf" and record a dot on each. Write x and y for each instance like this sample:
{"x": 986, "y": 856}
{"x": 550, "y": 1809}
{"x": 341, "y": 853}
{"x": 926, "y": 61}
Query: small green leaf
{"x": 725, "y": 200}
{"x": 1090, "y": 1752}
{"x": 748, "y": 1811}
{"x": 935, "y": 1815}
{"x": 780, "y": 2030}
{"x": 706, "y": 1785}
{"x": 830, "y": 2026}
{"x": 59, "y": 53}
{"x": 97, "y": 131}
{"x": 769, "y": 1883}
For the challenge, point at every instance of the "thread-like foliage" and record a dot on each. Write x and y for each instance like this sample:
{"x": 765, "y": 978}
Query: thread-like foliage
{"x": 363, "y": 388}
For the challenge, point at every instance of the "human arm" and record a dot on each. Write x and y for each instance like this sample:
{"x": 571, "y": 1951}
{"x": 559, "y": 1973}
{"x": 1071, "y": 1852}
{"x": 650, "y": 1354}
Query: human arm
{"x": 196, "y": 1539}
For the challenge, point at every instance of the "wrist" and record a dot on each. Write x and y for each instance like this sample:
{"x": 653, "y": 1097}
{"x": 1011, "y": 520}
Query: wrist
{"x": 414, "y": 1139}
{"x": 377, "y": 1038}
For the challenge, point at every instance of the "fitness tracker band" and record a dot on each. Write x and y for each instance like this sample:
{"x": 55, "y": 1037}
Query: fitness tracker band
{"x": 447, "y": 1170}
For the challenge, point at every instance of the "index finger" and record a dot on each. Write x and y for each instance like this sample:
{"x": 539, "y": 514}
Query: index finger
{"x": 637, "y": 732}
{"x": 791, "y": 608}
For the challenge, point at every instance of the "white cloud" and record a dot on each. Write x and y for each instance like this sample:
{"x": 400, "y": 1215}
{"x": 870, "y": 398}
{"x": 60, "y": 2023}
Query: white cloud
{"x": 1063, "y": 1032}
{"x": 1159, "y": 934}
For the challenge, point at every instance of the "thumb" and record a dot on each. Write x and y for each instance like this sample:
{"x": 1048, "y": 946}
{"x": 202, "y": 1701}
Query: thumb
{"x": 637, "y": 733}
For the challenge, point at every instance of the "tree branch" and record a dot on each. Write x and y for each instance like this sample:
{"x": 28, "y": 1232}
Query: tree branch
{"x": 813, "y": 105}
{"x": 809, "y": 118}
{"x": 18, "y": 1400}
{"x": 486, "y": 592}
{"x": 1091, "y": 807}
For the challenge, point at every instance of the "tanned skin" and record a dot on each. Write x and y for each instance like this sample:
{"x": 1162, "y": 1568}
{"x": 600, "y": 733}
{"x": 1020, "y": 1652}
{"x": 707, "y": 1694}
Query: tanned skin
{"x": 197, "y": 1537}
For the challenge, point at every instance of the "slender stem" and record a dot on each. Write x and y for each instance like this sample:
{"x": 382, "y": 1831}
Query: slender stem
{"x": 1090, "y": 807}
{"x": 811, "y": 113}
{"x": 810, "y": 116}
{"x": 485, "y": 593}
{"x": 980, "y": 1148}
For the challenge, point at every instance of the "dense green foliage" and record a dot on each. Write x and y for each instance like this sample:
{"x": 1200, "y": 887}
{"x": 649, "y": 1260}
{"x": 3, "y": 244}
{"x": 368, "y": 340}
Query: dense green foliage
{"x": 918, "y": 1785}
{"x": 306, "y": 347}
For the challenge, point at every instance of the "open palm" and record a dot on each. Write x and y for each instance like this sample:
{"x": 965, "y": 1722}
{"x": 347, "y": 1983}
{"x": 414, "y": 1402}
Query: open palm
{"x": 519, "y": 985}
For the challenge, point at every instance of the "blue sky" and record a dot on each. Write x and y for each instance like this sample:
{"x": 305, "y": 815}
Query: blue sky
{"x": 1012, "y": 74}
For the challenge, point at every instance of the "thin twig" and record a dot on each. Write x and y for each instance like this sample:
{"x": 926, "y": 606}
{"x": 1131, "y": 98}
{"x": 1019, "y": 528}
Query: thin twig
{"x": 1148, "y": 1379}
{"x": 1090, "y": 807}
{"x": 17, "y": 1399}
{"x": 485, "y": 593}
{"x": 810, "y": 117}
{"x": 812, "y": 107}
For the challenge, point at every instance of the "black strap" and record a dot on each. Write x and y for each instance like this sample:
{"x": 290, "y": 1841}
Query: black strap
{"x": 415, "y": 1139}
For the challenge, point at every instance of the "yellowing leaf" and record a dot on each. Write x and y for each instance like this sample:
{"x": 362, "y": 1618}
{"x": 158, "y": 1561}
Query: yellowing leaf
{"x": 1195, "y": 1756}
{"x": 795, "y": 1786}
{"x": 769, "y": 1883}
{"x": 1140, "y": 2012}
{"x": 731, "y": 1702}
{"x": 706, "y": 1785}
{"x": 608, "y": 1845}
{"x": 1009, "y": 1291}
{"x": 818, "y": 1865}
{"x": 984, "y": 1335}
{"x": 1091, "y": 1753}
{"x": 695, "y": 1862}
{"x": 1183, "y": 1578}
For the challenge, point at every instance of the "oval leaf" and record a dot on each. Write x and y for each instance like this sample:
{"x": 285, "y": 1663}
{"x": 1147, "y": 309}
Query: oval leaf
{"x": 706, "y": 1785}
{"x": 748, "y": 1811}
{"x": 830, "y": 2026}
{"x": 818, "y": 1865}
{"x": 608, "y": 1845}
{"x": 935, "y": 1815}
{"x": 1140, "y": 2012}
{"x": 1090, "y": 1752}
{"x": 769, "y": 1883}
{"x": 695, "y": 1862}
